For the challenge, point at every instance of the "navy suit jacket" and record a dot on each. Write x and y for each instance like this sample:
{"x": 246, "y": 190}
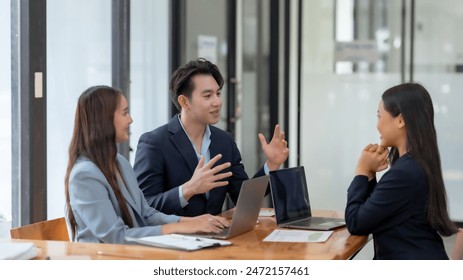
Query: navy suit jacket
{"x": 166, "y": 159}
{"x": 394, "y": 210}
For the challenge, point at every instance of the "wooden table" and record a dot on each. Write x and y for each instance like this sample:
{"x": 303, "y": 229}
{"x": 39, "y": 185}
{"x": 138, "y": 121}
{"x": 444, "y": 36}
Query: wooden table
{"x": 340, "y": 245}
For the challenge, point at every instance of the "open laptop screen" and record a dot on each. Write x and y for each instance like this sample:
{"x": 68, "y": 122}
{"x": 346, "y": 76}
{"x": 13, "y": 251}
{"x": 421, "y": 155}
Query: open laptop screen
{"x": 289, "y": 194}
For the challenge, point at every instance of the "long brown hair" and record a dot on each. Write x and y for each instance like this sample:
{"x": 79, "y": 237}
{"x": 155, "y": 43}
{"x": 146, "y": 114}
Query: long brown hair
{"x": 414, "y": 103}
{"x": 94, "y": 137}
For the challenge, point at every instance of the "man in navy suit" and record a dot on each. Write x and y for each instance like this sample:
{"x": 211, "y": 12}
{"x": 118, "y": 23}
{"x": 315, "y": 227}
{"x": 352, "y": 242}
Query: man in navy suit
{"x": 188, "y": 166}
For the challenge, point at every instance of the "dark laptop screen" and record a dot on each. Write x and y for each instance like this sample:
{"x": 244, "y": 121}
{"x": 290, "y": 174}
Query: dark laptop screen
{"x": 289, "y": 194}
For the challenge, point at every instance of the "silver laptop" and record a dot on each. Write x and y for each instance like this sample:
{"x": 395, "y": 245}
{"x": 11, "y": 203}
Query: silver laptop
{"x": 247, "y": 209}
{"x": 291, "y": 201}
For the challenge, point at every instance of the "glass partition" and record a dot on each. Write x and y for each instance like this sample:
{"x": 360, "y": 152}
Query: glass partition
{"x": 352, "y": 52}
{"x": 149, "y": 67}
{"x": 348, "y": 60}
{"x": 79, "y": 56}
{"x": 253, "y": 94}
{"x": 438, "y": 65}
{"x": 206, "y": 36}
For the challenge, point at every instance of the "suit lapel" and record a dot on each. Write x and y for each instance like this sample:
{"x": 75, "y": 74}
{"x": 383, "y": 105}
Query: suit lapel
{"x": 213, "y": 147}
{"x": 182, "y": 143}
{"x": 128, "y": 196}
{"x": 127, "y": 191}
{"x": 215, "y": 193}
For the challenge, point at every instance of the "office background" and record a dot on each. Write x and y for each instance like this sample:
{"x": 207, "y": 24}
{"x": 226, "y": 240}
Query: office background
{"x": 293, "y": 62}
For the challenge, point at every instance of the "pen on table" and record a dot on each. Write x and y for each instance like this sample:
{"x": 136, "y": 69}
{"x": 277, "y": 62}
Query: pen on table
{"x": 208, "y": 241}
{"x": 119, "y": 255}
{"x": 68, "y": 257}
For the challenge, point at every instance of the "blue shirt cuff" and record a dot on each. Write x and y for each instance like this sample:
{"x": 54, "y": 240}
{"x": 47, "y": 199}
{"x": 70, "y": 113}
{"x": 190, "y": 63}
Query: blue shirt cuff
{"x": 266, "y": 169}
{"x": 182, "y": 200}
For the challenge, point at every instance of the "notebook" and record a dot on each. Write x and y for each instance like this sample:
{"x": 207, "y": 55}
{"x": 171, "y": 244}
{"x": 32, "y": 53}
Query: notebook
{"x": 291, "y": 201}
{"x": 247, "y": 209}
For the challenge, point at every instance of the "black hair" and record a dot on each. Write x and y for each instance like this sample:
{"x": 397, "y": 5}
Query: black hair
{"x": 413, "y": 101}
{"x": 181, "y": 81}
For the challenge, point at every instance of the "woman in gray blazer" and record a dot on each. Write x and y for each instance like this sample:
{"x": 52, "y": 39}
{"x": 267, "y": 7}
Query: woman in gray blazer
{"x": 103, "y": 201}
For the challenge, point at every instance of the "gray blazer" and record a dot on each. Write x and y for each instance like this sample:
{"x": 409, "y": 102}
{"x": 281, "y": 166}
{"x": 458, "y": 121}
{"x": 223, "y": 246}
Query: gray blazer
{"x": 97, "y": 211}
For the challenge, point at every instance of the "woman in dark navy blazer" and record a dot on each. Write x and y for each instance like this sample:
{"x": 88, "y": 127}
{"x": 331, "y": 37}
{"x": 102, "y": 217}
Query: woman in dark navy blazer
{"x": 406, "y": 211}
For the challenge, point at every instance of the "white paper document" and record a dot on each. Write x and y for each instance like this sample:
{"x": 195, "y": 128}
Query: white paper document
{"x": 17, "y": 250}
{"x": 298, "y": 236}
{"x": 179, "y": 242}
{"x": 266, "y": 213}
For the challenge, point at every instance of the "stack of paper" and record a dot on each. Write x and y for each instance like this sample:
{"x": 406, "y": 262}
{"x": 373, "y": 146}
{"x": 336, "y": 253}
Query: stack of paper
{"x": 298, "y": 236}
{"x": 17, "y": 250}
{"x": 179, "y": 242}
{"x": 267, "y": 213}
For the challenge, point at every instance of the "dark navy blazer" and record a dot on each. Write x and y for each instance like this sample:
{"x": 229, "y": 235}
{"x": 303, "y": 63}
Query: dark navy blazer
{"x": 166, "y": 159}
{"x": 394, "y": 211}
